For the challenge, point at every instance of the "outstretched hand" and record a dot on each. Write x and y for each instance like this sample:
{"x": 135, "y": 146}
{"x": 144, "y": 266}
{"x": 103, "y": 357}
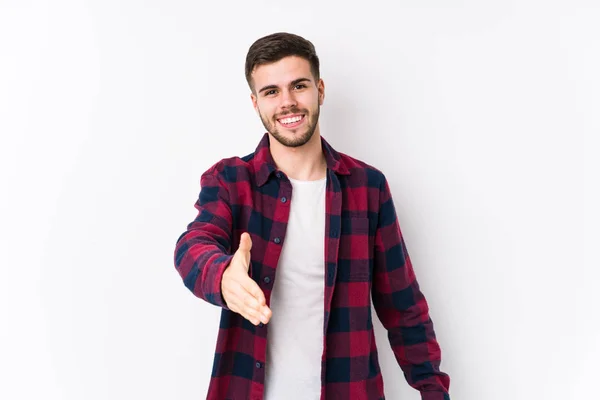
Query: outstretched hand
{"x": 241, "y": 293}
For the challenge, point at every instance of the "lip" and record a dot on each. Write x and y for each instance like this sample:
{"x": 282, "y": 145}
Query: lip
{"x": 295, "y": 124}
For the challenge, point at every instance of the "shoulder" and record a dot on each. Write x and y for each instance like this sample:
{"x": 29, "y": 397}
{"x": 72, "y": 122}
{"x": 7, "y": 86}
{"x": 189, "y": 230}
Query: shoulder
{"x": 362, "y": 172}
{"x": 231, "y": 169}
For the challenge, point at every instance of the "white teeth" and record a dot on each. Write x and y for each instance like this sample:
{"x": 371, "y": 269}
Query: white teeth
{"x": 290, "y": 120}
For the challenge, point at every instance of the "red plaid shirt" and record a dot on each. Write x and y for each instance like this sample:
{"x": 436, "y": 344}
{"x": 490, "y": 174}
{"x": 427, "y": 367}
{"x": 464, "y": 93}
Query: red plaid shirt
{"x": 365, "y": 257}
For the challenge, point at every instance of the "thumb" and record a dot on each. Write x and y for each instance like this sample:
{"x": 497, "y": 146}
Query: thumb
{"x": 245, "y": 243}
{"x": 245, "y": 247}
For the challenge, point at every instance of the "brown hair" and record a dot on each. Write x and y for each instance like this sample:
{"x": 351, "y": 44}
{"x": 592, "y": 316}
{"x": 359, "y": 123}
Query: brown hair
{"x": 276, "y": 46}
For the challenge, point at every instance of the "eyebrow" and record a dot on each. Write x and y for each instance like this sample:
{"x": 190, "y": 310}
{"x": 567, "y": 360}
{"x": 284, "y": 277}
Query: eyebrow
{"x": 293, "y": 83}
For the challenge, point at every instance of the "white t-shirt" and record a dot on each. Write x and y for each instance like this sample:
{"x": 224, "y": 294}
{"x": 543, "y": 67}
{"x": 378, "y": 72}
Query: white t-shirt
{"x": 295, "y": 331}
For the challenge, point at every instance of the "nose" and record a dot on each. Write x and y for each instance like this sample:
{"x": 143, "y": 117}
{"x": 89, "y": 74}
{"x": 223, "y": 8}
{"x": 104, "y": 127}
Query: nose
{"x": 287, "y": 99}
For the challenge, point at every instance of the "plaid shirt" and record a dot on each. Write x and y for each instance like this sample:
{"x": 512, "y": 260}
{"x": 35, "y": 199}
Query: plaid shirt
{"x": 365, "y": 256}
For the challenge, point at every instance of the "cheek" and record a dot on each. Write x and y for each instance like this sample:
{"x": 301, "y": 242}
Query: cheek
{"x": 266, "y": 109}
{"x": 313, "y": 101}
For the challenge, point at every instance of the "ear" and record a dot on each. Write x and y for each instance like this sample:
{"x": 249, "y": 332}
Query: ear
{"x": 321, "y": 90}
{"x": 254, "y": 103}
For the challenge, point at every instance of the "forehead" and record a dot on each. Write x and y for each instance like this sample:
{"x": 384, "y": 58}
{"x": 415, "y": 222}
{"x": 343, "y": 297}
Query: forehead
{"x": 282, "y": 72}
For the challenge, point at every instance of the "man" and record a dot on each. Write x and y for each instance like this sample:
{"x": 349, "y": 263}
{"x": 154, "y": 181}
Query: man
{"x": 292, "y": 241}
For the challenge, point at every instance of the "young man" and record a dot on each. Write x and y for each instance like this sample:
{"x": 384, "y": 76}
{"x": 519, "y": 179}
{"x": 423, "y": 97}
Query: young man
{"x": 292, "y": 241}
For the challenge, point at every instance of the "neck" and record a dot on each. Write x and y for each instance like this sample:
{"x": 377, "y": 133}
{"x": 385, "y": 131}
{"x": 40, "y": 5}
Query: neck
{"x": 304, "y": 163}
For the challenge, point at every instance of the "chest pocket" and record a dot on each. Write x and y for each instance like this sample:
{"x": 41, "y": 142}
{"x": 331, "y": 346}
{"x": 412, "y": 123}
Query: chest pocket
{"x": 354, "y": 261}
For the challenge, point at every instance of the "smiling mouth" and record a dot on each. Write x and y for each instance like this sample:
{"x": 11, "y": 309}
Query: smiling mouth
{"x": 291, "y": 122}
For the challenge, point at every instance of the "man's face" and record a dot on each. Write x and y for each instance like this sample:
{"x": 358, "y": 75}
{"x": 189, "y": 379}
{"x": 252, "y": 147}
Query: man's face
{"x": 288, "y": 99}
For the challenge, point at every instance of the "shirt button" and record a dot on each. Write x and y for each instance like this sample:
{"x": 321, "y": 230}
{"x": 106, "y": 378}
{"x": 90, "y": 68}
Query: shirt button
{"x": 267, "y": 279}
{"x": 278, "y": 175}
{"x": 283, "y": 199}
{"x": 258, "y": 365}
{"x": 277, "y": 240}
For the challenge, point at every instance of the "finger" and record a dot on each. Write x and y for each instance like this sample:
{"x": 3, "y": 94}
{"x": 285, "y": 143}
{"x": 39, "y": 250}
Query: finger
{"x": 238, "y": 297}
{"x": 248, "y": 306}
{"x": 250, "y": 302}
{"x": 253, "y": 316}
{"x": 245, "y": 243}
{"x": 256, "y": 309}
{"x": 262, "y": 312}
{"x": 266, "y": 313}
{"x": 252, "y": 287}
{"x": 244, "y": 302}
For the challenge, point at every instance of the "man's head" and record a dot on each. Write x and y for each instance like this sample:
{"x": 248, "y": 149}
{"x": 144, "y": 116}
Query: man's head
{"x": 282, "y": 71}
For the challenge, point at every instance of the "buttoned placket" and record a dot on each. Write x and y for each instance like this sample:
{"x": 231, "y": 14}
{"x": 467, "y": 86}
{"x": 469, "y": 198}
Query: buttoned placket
{"x": 333, "y": 222}
{"x": 281, "y": 213}
{"x": 333, "y": 211}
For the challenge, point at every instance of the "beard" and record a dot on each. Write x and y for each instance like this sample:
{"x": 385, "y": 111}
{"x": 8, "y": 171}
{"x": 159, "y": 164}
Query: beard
{"x": 298, "y": 139}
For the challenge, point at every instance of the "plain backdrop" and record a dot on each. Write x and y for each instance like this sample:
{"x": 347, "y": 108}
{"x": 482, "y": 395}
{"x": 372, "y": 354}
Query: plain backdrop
{"x": 484, "y": 116}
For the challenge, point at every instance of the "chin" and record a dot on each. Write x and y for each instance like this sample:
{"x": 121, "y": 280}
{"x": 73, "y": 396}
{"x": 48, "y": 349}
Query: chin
{"x": 289, "y": 139}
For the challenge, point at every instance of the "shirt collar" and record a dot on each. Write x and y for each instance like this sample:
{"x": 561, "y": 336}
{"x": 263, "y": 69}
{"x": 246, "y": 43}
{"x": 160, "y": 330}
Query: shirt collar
{"x": 264, "y": 164}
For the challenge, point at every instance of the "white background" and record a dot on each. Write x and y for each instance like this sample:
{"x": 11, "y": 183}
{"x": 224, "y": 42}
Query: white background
{"x": 484, "y": 116}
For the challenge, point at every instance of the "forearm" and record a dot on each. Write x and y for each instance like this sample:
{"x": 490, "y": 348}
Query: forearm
{"x": 402, "y": 307}
{"x": 201, "y": 263}
{"x": 405, "y": 315}
{"x": 203, "y": 251}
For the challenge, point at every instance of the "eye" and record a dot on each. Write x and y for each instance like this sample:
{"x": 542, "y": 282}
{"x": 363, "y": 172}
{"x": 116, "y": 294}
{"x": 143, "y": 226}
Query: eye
{"x": 270, "y": 92}
{"x": 300, "y": 86}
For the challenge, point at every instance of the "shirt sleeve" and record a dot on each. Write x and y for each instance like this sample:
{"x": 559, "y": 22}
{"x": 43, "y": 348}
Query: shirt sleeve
{"x": 402, "y": 307}
{"x": 202, "y": 252}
